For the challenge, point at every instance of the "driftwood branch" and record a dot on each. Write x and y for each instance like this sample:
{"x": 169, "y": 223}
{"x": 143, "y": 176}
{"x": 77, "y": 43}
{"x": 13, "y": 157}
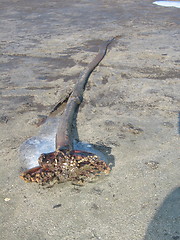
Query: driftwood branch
{"x": 65, "y": 163}
{"x": 64, "y": 133}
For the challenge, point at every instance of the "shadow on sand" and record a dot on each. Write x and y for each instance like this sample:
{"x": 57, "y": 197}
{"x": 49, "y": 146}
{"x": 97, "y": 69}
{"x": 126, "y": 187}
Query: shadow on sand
{"x": 165, "y": 224}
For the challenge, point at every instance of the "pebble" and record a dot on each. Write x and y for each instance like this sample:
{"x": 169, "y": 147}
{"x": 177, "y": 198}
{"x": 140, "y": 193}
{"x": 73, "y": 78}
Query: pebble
{"x": 7, "y": 199}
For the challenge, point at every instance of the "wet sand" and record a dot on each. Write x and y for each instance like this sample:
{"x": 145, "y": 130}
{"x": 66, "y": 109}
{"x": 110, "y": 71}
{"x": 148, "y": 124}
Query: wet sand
{"x": 130, "y": 111}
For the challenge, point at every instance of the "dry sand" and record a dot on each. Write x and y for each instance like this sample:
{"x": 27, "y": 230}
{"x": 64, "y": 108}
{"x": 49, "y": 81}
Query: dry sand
{"x": 130, "y": 109}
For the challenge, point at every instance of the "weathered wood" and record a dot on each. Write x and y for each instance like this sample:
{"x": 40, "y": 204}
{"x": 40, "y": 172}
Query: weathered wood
{"x": 64, "y": 133}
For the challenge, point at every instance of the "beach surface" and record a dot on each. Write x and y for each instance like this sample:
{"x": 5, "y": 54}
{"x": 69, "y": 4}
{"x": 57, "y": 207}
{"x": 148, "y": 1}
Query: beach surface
{"x": 130, "y": 112}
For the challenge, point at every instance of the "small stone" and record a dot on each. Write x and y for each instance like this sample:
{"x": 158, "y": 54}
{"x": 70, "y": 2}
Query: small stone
{"x": 168, "y": 124}
{"x": 94, "y": 206}
{"x": 152, "y": 164}
{"x": 57, "y": 205}
{"x": 4, "y": 119}
{"x": 7, "y": 199}
{"x": 129, "y": 127}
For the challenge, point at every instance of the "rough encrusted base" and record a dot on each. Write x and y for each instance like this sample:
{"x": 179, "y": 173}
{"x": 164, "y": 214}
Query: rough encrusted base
{"x": 65, "y": 165}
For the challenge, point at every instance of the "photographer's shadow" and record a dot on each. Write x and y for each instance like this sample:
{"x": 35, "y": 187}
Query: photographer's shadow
{"x": 165, "y": 224}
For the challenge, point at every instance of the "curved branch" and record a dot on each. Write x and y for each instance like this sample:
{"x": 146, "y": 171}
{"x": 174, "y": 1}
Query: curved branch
{"x": 64, "y": 132}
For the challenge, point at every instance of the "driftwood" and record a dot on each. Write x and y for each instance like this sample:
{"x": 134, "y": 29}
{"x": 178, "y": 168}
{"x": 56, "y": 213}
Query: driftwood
{"x": 67, "y": 164}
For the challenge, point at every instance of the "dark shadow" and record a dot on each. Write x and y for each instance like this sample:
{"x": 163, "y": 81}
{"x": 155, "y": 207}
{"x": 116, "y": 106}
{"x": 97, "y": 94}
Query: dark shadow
{"x": 165, "y": 224}
{"x": 179, "y": 123}
{"x": 107, "y": 152}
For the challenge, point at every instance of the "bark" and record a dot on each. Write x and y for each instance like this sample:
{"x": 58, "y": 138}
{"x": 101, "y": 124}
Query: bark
{"x": 64, "y": 132}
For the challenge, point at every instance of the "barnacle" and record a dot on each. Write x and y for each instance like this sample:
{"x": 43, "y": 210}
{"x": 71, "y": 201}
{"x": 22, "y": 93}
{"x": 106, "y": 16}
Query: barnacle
{"x": 65, "y": 165}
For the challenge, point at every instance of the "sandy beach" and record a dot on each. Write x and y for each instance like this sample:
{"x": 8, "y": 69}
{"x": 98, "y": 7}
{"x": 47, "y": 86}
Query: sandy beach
{"x": 130, "y": 112}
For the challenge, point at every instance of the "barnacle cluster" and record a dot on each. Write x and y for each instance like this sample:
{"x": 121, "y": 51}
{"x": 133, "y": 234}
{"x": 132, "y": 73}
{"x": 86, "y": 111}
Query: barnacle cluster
{"x": 65, "y": 165}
